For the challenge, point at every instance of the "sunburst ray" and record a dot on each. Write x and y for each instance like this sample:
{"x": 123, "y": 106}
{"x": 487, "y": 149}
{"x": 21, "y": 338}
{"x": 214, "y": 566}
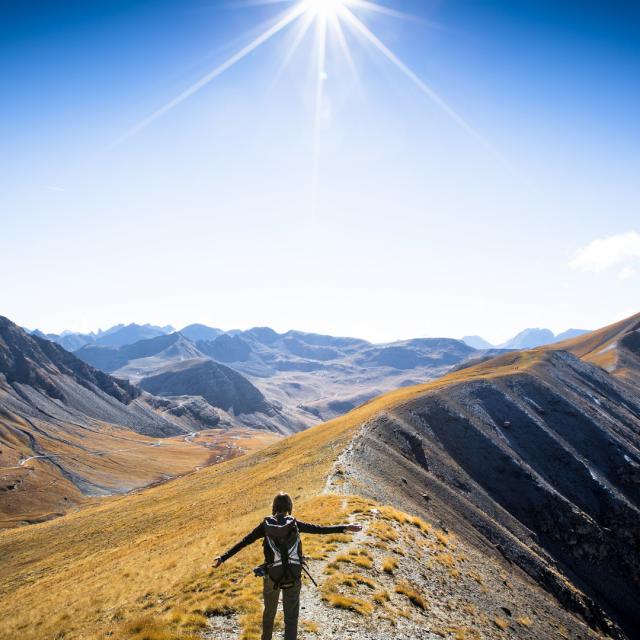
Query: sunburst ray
{"x": 328, "y": 16}
{"x": 361, "y": 28}
{"x": 286, "y": 19}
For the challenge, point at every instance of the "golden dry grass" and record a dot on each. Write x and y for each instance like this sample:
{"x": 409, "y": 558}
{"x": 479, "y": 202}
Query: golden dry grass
{"x": 524, "y": 621}
{"x": 410, "y": 592}
{"x": 443, "y": 538}
{"x": 383, "y": 531}
{"x": 445, "y": 559}
{"x": 389, "y": 565}
{"x": 350, "y": 603}
{"x": 359, "y": 557}
{"x": 137, "y": 554}
{"x": 501, "y": 623}
{"x": 309, "y": 626}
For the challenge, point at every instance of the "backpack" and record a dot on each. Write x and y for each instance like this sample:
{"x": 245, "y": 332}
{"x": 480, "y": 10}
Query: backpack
{"x": 284, "y": 542}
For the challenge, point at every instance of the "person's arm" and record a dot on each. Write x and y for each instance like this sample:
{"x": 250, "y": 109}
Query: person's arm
{"x": 256, "y": 534}
{"x": 305, "y": 527}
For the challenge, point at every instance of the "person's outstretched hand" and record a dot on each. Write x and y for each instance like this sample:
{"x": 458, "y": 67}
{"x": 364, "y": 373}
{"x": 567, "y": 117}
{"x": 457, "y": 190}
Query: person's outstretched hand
{"x": 217, "y": 562}
{"x": 354, "y": 527}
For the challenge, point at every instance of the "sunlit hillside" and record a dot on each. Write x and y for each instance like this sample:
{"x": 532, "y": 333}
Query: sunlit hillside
{"x": 615, "y": 348}
{"x": 136, "y": 553}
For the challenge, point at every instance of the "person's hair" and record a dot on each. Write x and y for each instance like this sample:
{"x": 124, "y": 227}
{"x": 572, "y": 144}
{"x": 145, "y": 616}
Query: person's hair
{"x": 282, "y": 503}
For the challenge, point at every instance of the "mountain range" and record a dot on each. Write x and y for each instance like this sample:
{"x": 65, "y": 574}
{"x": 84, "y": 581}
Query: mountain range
{"x": 305, "y": 377}
{"x": 527, "y": 339}
{"x": 499, "y": 500}
{"x": 69, "y": 430}
{"x": 116, "y": 336}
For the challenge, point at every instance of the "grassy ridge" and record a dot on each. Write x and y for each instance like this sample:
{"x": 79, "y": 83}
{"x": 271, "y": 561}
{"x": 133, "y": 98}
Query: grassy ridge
{"x": 82, "y": 574}
{"x": 599, "y": 347}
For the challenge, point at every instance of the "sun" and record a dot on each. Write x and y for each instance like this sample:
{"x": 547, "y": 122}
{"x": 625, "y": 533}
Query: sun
{"x": 325, "y": 8}
{"x": 331, "y": 20}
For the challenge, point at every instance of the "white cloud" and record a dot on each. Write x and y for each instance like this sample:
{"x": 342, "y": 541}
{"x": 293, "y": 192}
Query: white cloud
{"x": 626, "y": 273}
{"x": 603, "y": 253}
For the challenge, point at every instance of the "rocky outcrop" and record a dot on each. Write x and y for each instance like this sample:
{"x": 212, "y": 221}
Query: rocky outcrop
{"x": 220, "y": 386}
{"x": 46, "y": 366}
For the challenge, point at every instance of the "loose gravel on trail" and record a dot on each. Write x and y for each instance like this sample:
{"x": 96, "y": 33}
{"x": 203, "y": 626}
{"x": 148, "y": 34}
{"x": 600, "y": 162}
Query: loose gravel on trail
{"x": 434, "y": 587}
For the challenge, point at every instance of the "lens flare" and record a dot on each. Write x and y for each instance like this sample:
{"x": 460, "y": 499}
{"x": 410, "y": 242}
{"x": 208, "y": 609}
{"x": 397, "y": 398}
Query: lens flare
{"x": 332, "y": 18}
{"x": 325, "y": 7}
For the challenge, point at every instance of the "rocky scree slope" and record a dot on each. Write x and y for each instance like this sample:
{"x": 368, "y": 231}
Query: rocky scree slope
{"x": 219, "y": 385}
{"x": 535, "y": 454}
{"x": 68, "y": 430}
{"x": 44, "y": 377}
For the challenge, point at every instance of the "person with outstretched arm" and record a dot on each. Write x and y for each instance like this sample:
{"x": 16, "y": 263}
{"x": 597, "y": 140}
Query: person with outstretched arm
{"x": 284, "y": 562}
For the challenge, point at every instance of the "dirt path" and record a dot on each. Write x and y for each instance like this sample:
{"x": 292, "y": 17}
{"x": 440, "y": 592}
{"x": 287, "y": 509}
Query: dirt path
{"x": 321, "y": 621}
{"x": 402, "y": 579}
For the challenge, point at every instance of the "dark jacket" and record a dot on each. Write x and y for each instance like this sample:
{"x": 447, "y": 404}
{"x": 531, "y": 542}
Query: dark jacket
{"x": 258, "y": 532}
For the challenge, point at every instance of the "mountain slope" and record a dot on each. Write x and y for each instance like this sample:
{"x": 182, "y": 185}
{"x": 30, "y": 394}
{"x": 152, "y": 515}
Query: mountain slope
{"x": 317, "y": 377}
{"x": 538, "y": 453}
{"x": 68, "y": 430}
{"x": 220, "y": 386}
{"x": 615, "y": 348}
{"x": 309, "y": 377}
{"x": 172, "y": 366}
{"x": 134, "y": 361}
{"x": 570, "y": 333}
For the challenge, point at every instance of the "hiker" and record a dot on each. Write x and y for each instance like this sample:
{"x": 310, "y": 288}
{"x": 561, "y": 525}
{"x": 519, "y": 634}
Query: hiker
{"x": 284, "y": 562}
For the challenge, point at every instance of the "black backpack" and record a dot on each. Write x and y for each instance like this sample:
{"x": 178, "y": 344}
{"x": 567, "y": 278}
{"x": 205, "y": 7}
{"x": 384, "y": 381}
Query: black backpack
{"x": 284, "y": 542}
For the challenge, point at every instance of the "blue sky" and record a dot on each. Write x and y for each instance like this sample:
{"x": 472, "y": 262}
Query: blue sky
{"x": 417, "y": 228}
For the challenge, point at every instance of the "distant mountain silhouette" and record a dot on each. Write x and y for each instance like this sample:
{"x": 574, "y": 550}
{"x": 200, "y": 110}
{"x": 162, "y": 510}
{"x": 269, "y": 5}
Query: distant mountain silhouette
{"x": 197, "y": 332}
{"x": 532, "y": 338}
{"x": 116, "y": 336}
{"x": 130, "y": 334}
{"x": 284, "y": 366}
{"x": 529, "y": 339}
{"x": 570, "y": 333}
{"x": 477, "y": 342}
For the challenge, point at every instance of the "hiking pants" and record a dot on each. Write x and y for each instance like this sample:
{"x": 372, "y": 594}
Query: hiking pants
{"x": 290, "y": 604}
